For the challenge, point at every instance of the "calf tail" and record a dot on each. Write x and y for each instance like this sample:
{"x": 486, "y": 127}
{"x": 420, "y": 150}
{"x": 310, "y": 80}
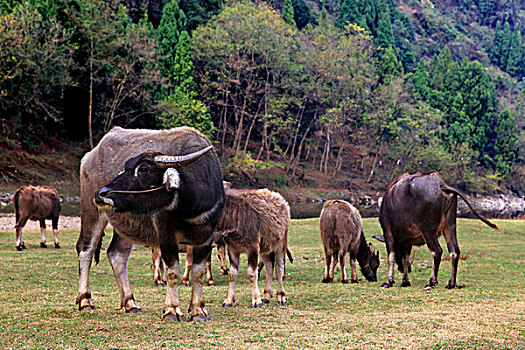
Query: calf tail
{"x": 450, "y": 189}
{"x": 17, "y": 208}
{"x": 289, "y": 255}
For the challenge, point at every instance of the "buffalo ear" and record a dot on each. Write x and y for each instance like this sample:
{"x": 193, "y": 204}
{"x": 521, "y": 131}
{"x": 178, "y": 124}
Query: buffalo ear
{"x": 227, "y": 185}
{"x": 380, "y": 238}
{"x": 171, "y": 179}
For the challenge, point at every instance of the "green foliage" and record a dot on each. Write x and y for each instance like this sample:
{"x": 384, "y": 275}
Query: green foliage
{"x": 302, "y": 14}
{"x": 385, "y": 36}
{"x": 172, "y": 23}
{"x": 348, "y": 13}
{"x": 388, "y": 65}
{"x": 287, "y": 13}
{"x": 506, "y": 146}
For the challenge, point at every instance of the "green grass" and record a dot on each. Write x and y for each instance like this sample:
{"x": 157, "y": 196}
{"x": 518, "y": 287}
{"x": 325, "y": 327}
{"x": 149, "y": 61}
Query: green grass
{"x": 38, "y": 289}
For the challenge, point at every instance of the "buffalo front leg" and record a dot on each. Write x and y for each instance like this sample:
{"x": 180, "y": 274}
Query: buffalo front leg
{"x": 221, "y": 254}
{"x": 189, "y": 266}
{"x": 54, "y": 224}
{"x": 197, "y": 310}
{"x": 209, "y": 276}
{"x": 118, "y": 253}
{"x": 406, "y": 265}
{"x": 159, "y": 270}
{"x": 88, "y": 240}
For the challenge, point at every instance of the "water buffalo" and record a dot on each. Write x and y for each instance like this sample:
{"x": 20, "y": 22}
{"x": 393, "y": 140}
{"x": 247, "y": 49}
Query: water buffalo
{"x": 37, "y": 203}
{"x": 158, "y": 188}
{"x": 341, "y": 231}
{"x": 416, "y": 210}
{"x": 256, "y": 222}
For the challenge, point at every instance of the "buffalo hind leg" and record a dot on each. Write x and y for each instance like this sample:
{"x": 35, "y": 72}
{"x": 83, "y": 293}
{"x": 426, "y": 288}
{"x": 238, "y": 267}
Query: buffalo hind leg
{"x": 233, "y": 255}
{"x": 436, "y": 251}
{"x": 221, "y": 253}
{"x": 406, "y": 265}
{"x": 454, "y": 252}
{"x": 159, "y": 269}
{"x": 391, "y": 264}
{"x": 328, "y": 273}
{"x": 199, "y": 257}
{"x": 253, "y": 277}
{"x": 342, "y": 256}
{"x": 118, "y": 253}
{"x": 19, "y": 241}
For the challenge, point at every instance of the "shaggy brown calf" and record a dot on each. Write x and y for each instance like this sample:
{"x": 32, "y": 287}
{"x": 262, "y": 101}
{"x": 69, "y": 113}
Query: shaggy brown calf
{"x": 341, "y": 231}
{"x": 256, "y": 222}
{"x": 37, "y": 203}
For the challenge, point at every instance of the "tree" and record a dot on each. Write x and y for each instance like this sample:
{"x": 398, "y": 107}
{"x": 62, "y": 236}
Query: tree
{"x": 172, "y": 23}
{"x": 287, "y": 13}
{"x": 497, "y": 42}
{"x": 505, "y": 46}
{"x": 388, "y": 65}
{"x": 302, "y": 14}
{"x": 506, "y": 146}
{"x": 420, "y": 81}
{"x": 348, "y": 13}
{"x": 515, "y": 60}
{"x": 385, "y": 36}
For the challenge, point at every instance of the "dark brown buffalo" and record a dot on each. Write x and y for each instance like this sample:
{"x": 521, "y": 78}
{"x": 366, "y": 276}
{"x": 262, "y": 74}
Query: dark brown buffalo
{"x": 37, "y": 203}
{"x": 417, "y": 209}
{"x": 256, "y": 222}
{"x": 341, "y": 231}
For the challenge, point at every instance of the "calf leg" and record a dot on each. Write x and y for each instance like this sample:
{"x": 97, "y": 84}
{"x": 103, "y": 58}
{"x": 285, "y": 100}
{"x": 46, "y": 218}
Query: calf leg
{"x": 19, "y": 241}
{"x": 342, "y": 256}
{"x": 253, "y": 277}
{"x": 54, "y": 224}
{"x": 391, "y": 264}
{"x": 233, "y": 255}
{"x": 221, "y": 253}
{"x": 158, "y": 267}
{"x": 196, "y": 309}
{"x": 280, "y": 262}
{"x": 118, "y": 253}
{"x": 189, "y": 262}
{"x": 328, "y": 260}
{"x": 209, "y": 276}
{"x": 353, "y": 274}
{"x": 268, "y": 268}
{"x": 43, "y": 234}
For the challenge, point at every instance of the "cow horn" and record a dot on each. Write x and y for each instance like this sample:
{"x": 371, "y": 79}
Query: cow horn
{"x": 180, "y": 161}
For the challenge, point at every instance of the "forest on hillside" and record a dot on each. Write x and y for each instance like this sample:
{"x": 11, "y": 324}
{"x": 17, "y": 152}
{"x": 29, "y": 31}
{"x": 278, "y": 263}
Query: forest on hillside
{"x": 363, "y": 90}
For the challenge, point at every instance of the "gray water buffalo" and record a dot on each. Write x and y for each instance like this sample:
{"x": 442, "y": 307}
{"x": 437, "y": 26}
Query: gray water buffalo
{"x": 256, "y": 222}
{"x": 157, "y": 188}
{"x": 37, "y": 203}
{"x": 341, "y": 232}
{"x": 417, "y": 209}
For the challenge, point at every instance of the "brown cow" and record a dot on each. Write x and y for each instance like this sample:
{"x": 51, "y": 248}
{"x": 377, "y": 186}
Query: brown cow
{"x": 416, "y": 210}
{"x": 37, "y": 203}
{"x": 341, "y": 231}
{"x": 256, "y": 222}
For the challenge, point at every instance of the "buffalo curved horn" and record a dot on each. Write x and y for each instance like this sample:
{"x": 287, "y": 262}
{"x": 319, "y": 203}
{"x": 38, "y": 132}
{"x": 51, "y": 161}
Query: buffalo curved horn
{"x": 180, "y": 161}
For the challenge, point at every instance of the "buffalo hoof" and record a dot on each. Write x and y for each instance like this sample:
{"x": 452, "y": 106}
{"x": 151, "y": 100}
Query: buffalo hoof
{"x": 201, "y": 318}
{"x": 57, "y": 246}
{"x": 458, "y": 286}
{"x": 344, "y": 281}
{"x": 19, "y": 248}
{"x": 327, "y": 280}
{"x": 159, "y": 283}
{"x": 282, "y": 303}
{"x": 227, "y": 306}
{"x": 257, "y": 305}
{"x": 211, "y": 283}
{"x": 354, "y": 281}
{"x": 23, "y": 246}
{"x": 185, "y": 283}
{"x": 43, "y": 245}
{"x": 134, "y": 310}
{"x": 266, "y": 301}
{"x": 406, "y": 284}
{"x": 429, "y": 287}
{"x": 174, "y": 318}
{"x": 224, "y": 272}
{"x": 387, "y": 285}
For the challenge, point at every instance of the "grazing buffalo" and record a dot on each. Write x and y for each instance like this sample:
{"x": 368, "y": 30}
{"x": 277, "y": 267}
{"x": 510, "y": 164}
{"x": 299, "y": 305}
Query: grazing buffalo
{"x": 157, "y": 188}
{"x": 416, "y": 210}
{"x": 37, "y": 203}
{"x": 341, "y": 231}
{"x": 256, "y": 222}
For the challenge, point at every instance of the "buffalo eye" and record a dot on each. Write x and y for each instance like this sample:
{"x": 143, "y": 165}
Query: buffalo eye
{"x": 142, "y": 170}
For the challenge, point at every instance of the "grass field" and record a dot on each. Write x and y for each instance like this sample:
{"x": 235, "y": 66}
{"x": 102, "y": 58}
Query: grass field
{"x": 38, "y": 289}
